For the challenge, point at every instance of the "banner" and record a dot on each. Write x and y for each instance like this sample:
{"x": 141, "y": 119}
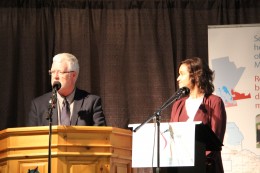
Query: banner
{"x": 234, "y": 55}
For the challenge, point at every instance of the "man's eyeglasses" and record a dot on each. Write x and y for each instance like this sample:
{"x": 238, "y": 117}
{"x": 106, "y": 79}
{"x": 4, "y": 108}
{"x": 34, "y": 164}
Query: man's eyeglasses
{"x": 51, "y": 73}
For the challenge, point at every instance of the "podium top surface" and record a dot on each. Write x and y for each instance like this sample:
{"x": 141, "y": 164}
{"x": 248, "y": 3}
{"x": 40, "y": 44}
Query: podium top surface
{"x": 57, "y": 129}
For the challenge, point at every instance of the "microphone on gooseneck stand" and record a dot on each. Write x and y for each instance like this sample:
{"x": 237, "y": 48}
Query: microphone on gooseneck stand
{"x": 53, "y": 100}
{"x": 55, "y": 87}
{"x": 52, "y": 103}
{"x": 180, "y": 93}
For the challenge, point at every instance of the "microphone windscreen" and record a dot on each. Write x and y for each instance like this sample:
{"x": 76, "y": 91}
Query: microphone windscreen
{"x": 56, "y": 85}
{"x": 185, "y": 90}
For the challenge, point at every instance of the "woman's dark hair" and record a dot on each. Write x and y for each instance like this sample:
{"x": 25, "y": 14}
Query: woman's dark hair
{"x": 200, "y": 74}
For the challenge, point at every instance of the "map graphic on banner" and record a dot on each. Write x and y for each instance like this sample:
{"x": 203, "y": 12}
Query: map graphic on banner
{"x": 234, "y": 55}
{"x": 225, "y": 87}
{"x": 226, "y": 90}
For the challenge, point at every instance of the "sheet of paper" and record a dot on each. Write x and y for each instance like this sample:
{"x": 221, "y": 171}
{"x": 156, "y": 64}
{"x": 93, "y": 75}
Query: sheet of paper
{"x": 177, "y": 142}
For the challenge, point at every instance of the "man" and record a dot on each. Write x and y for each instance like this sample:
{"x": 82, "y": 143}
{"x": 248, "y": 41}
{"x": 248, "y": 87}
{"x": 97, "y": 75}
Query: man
{"x": 74, "y": 106}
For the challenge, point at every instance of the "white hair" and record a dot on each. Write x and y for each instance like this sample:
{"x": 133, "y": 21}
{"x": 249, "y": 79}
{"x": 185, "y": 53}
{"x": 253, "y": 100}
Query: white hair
{"x": 71, "y": 60}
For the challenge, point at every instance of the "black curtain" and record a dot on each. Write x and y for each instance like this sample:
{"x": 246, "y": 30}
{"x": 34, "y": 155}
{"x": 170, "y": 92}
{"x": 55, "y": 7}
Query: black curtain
{"x": 129, "y": 50}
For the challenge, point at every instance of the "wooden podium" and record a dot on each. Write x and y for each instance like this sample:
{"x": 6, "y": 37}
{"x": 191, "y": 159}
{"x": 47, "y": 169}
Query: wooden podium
{"x": 74, "y": 149}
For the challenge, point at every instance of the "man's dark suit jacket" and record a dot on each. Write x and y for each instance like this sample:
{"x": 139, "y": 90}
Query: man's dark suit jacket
{"x": 87, "y": 110}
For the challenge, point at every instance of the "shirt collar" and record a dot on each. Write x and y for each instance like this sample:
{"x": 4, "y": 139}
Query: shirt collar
{"x": 70, "y": 98}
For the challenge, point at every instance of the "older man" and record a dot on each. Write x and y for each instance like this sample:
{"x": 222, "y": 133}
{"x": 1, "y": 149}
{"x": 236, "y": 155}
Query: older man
{"x": 74, "y": 106}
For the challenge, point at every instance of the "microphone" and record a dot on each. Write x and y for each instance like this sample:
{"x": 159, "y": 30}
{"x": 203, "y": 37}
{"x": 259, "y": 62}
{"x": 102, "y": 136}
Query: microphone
{"x": 180, "y": 93}
{"x": 56, "y": 85}
{"x": 183, "y": 91}
{"x": 52, "y": 103}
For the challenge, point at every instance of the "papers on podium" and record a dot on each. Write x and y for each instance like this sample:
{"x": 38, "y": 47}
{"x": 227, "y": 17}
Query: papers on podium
{"x": 177, "y": 143}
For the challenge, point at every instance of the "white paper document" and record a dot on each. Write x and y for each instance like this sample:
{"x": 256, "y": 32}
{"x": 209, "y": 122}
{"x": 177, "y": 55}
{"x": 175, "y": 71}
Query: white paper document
{"x": 177, "y": 142}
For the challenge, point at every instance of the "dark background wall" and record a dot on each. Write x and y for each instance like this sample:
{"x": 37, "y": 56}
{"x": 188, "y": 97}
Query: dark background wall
{"x": 129, "y": 50}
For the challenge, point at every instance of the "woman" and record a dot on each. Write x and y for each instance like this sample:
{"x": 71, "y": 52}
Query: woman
{"x": 201, "y": 105}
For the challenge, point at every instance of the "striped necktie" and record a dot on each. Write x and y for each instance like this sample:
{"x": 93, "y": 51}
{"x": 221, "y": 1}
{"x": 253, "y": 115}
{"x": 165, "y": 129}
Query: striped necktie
{"x": 65, "y": 113}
